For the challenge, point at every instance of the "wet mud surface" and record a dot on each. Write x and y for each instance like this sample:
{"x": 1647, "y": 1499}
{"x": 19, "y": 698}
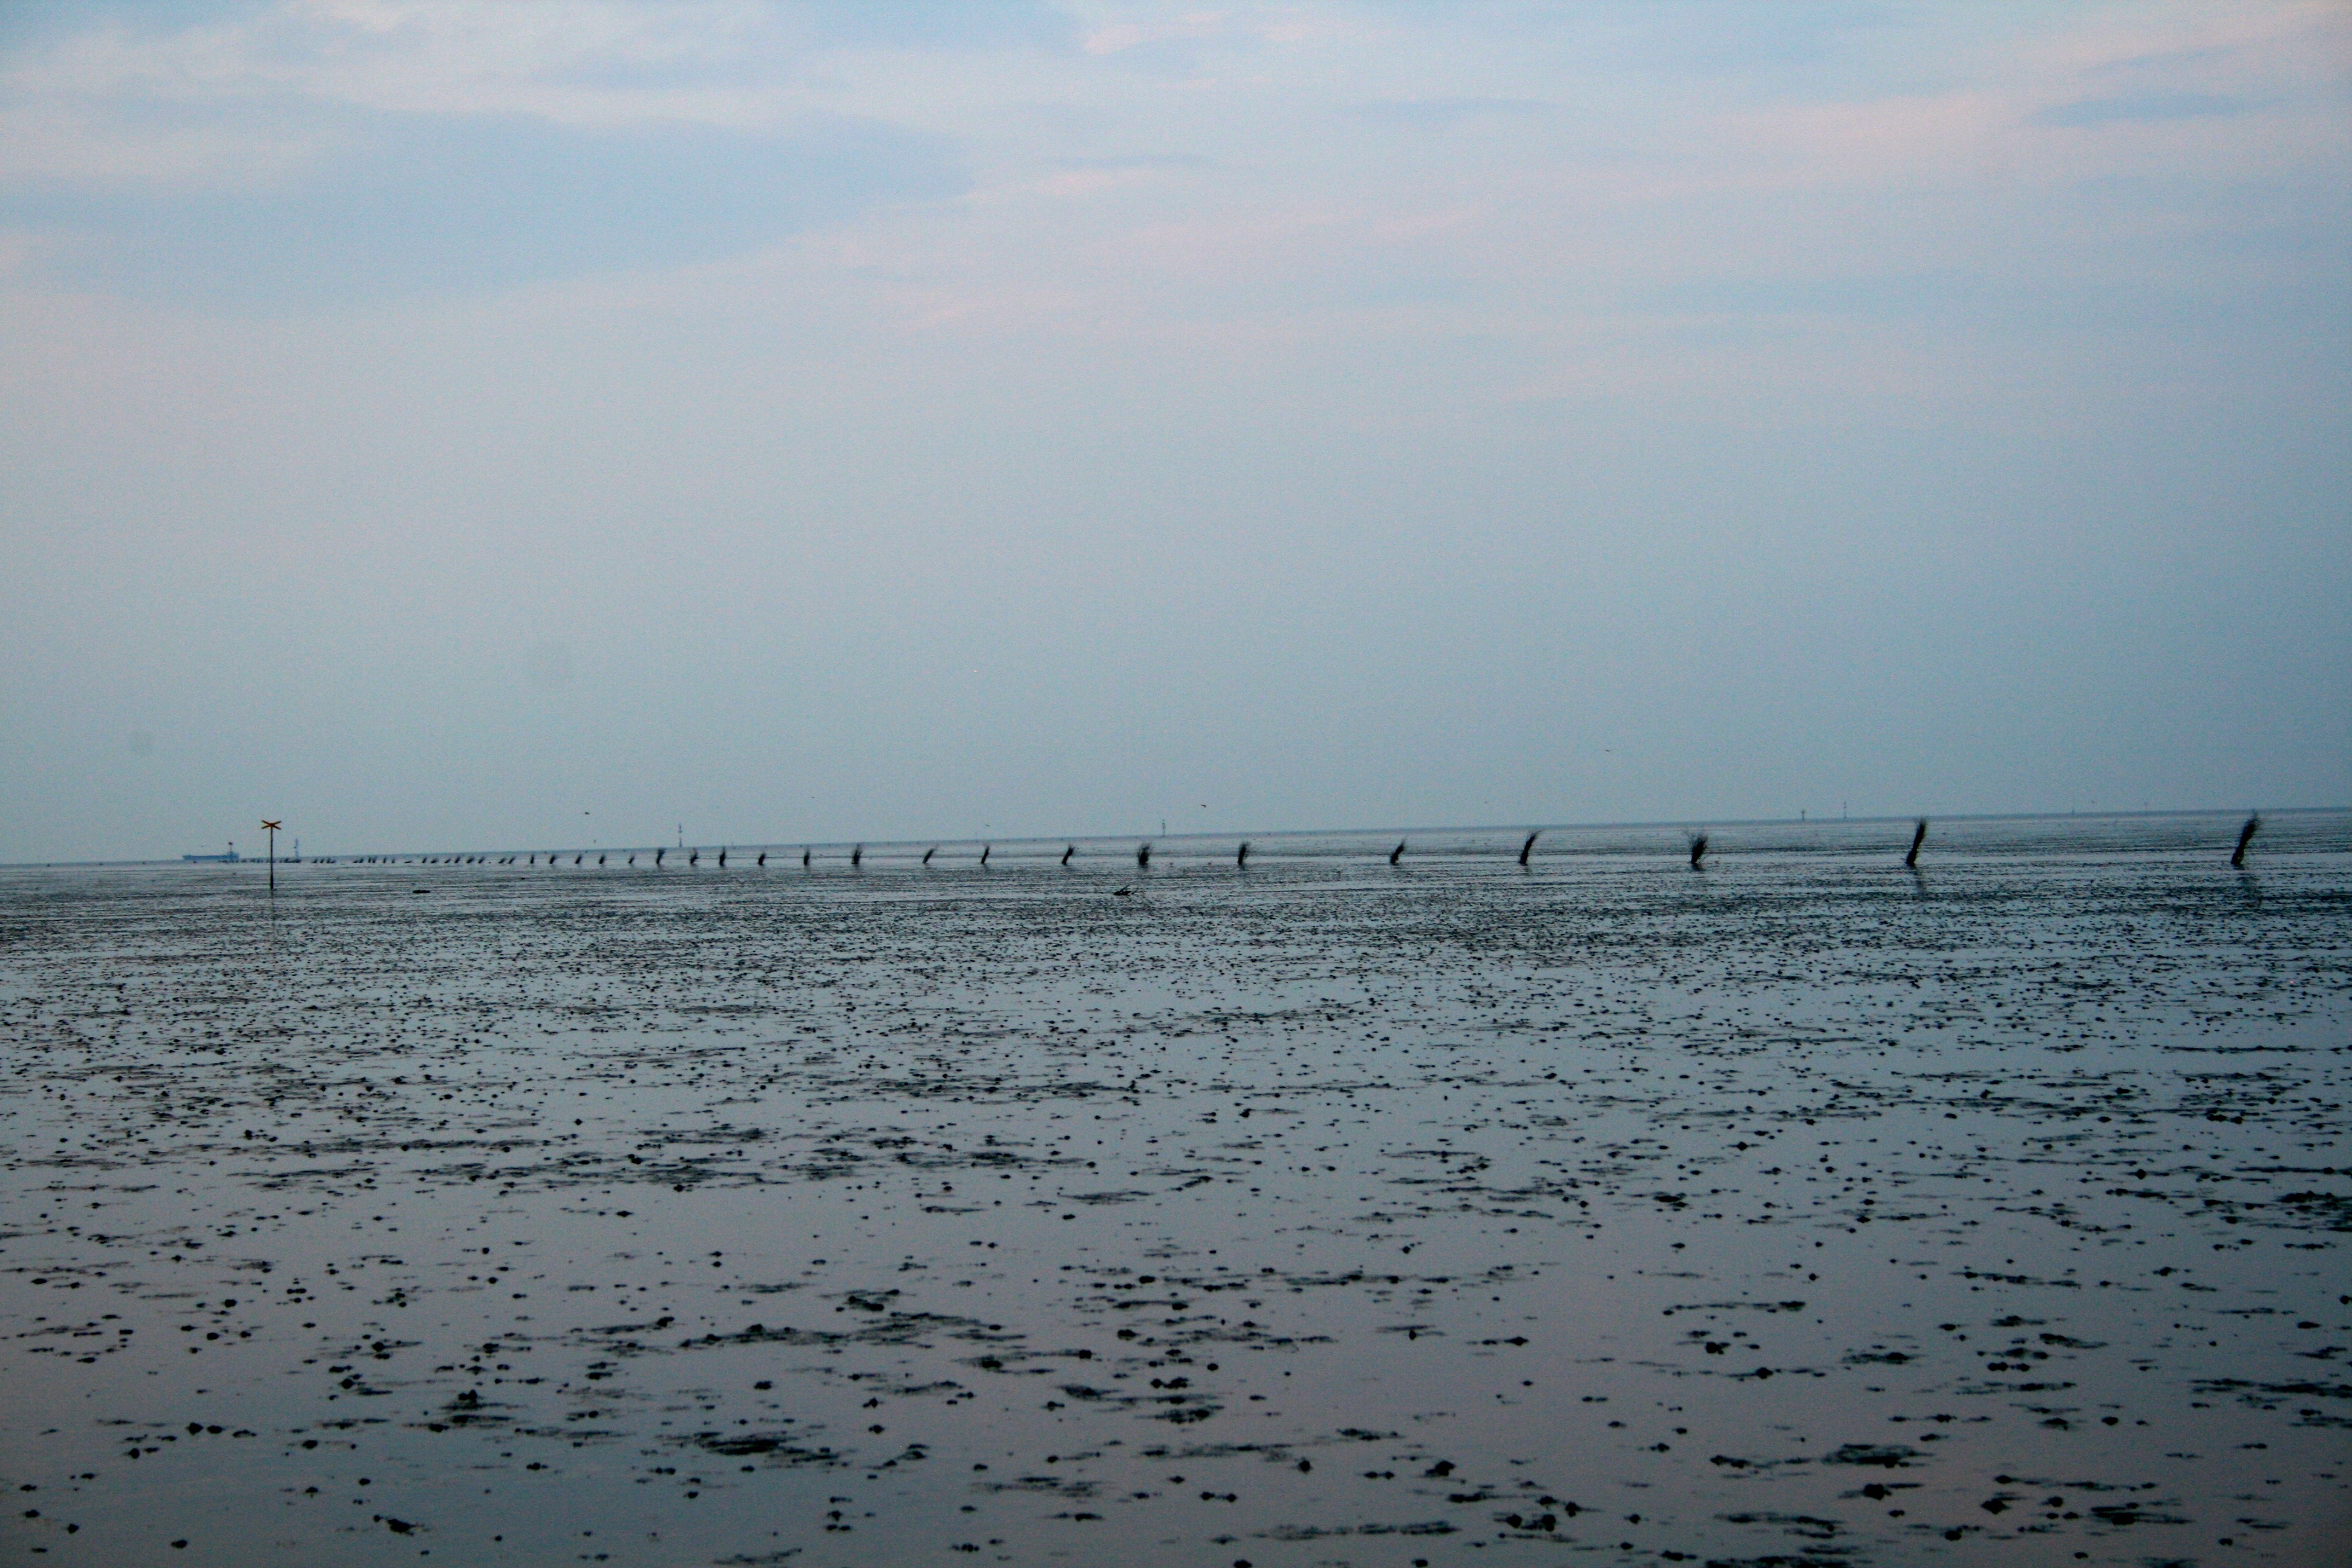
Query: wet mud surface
{"x": 1800, "y": 1211}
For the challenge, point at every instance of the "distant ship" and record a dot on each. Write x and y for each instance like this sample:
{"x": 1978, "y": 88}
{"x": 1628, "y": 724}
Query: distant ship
{"x": 228, "y": 859}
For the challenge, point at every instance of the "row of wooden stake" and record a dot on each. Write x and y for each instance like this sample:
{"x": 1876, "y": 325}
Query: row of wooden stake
{"x": 1698, "y": 851}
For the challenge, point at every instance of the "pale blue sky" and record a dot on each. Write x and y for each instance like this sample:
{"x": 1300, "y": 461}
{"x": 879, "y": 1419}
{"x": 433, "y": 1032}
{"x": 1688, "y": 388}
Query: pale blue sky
{"x": 431, "y": 422}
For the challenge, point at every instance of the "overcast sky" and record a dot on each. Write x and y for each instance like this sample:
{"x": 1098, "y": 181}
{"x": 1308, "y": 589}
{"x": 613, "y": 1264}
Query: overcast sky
{"x": 444, "y": 424}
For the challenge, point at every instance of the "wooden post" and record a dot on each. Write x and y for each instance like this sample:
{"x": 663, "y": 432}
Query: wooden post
{"x": 272, "y": 826}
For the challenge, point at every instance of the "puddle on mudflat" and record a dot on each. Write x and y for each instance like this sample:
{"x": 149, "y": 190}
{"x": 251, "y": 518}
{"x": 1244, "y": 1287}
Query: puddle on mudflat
{"x": 1799, "y": 1211}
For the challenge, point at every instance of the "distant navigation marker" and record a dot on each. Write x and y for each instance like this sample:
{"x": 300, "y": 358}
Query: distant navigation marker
{"x": 273, "y": 827}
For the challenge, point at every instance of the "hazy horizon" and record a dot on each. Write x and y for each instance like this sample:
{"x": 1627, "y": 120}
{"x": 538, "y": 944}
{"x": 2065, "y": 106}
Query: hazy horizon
{"x": 1958, "y": 836}
{"x": 444, "y": 425}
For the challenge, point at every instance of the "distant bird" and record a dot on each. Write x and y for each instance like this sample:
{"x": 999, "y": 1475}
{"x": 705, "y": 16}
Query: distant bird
{"x": 693, "y": 859}
{"x": 857, "y": 855}
{"x": 1143, "y": 856}
{"x": 763, "y": 858}
{"x": 1918, "y": 837}
{"x": 1124, "y": 893}
{"x": 599, "y": 859}
{"x": 2245, "y": 837}
{"x": 632, "y": 859}
{"x": 1529, "y": 847}
{"x": 1397, "y": 854}
{"x": 804, "y": 859}
{"x": 1242, "y": 856}
{"x": 984, "y": 852}
{"x": 1067, "y": 853}
{"x": 657, "y": 857}
{"x": 577, "y": 859}
{"x": 1698, "y": 851}
{"x": 722, "y": 859}
{"x": 928, "y": 853}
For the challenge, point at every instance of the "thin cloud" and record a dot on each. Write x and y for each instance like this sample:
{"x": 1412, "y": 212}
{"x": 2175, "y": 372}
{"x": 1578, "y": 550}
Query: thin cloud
{"x": 1440, "y": 113}
{"x": 418, "y": 203}
{"x": 2142, "y": 108}
{"x": 1140, "y": 161}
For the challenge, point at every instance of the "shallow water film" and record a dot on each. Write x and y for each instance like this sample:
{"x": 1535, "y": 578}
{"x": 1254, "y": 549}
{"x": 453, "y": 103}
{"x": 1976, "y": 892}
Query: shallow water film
{"x": 1797, "y": 1211}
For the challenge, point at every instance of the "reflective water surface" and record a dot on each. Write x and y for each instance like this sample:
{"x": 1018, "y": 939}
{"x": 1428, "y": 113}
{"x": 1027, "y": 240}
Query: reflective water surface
{"x": 1799, "y": 1210}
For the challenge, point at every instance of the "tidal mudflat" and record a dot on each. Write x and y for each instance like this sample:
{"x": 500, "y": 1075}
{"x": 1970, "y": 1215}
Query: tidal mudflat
{"x": 1799, "y": 1210}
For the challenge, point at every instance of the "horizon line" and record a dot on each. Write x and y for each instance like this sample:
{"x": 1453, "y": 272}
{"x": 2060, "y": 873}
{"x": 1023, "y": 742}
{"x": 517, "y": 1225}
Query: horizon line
{"x": 1684, "y": 825}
